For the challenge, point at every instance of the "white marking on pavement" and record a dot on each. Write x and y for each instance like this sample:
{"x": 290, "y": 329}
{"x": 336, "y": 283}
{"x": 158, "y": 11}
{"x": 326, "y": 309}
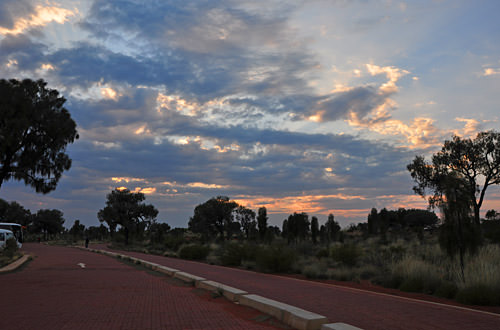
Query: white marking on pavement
{"x": 81, "y": 264}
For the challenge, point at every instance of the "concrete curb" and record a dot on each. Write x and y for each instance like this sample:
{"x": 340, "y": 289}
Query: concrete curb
{"x": 292, "y": 316}
{"x": 188, "y": 278}
{"x": 16, "y": 264}
{"x": 232, "y": 294}
{"x": 338, "y": 326}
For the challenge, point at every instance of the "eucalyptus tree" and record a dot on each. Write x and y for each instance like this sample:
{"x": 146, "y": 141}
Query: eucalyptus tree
{"x": 35, "y": 129}
{"x": 126, "y": 208}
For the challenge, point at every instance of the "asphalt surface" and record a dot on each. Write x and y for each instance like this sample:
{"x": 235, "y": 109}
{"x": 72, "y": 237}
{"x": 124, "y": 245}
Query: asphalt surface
{"x": 367, "y": 310}
{"x": 68, "y": 288}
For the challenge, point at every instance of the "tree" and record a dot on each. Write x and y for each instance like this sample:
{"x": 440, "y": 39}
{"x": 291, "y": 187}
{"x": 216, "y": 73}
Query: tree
{"x": 314, "y": 230}
{"x": 332, "y": 227}
{"x": 246, "y": 218}
{"x": 458, "y": 234}
{"x": 48, "y": 222}
{"x": 297, "y": 226}
{"x": 214, "y": 217}
{"x": 14, "y": 212}
{"x": 97, "y": 233}
{"x": 491, "y": 215}
{"x": 262, "y": 222}
{"x": 77, "y": 231}
{"x": 125, "y": 208}
{"x": 476, "y": 162}
{"x": 35, "y": 129}
{"x": 158, "y": 232}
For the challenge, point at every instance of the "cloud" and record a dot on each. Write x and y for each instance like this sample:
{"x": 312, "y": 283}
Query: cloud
{"x": 490, "y": 72}
{"x": 24, "y": 17}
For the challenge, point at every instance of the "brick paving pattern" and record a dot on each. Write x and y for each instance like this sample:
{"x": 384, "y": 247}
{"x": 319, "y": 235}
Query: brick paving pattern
{"x": 366, "y": 310}
{"x": 54, "y": 292}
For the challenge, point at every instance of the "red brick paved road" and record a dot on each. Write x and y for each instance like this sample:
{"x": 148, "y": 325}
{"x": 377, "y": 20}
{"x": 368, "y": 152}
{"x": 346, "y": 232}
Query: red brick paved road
{"x": 366, "y": 310}
{"x": 53, "y": 292}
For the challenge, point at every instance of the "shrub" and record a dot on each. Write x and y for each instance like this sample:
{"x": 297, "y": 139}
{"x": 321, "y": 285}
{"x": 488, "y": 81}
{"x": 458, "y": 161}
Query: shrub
{"x": 416, "y": 275}
{"x": 194, "y": 252}
{"x": 173, "y": 242}
{"x": 346, "y": 254}
{"x": 367, "y": 272}
{"x": 323, "y": 253}
{"x": 479, "y": 294}
{"x": 316, "y": 270}
{"x": 275, "y": 258}
{"x": 10, "y": 247}
{"x": 446, "y": 290}
{"x": 232, "y": 254}
{"x": 343, "y": 274}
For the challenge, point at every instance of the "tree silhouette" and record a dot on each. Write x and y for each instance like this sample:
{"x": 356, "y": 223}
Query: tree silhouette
{"x": 214, "y": 217}
{"x": 35, "y": 129}
{"x": 262, "y": 222}
{"x": 126, "y": 209}
{"x": 474, "y": 161}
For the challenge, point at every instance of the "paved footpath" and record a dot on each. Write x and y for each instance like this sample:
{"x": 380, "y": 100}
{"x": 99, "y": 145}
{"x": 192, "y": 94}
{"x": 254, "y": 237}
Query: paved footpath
{"x": 367, "y": 310}
{"x": 54, "y": 292}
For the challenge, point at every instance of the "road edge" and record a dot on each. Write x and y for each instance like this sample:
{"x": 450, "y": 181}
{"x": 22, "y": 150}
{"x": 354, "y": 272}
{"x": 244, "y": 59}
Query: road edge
{"x": 16, "y": 264}
{"x": 290, "y": 315}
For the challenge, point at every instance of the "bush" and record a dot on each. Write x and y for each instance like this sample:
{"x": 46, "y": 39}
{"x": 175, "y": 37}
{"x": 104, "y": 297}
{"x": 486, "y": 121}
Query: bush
{"x": 479, "y": 295}
{"x": 10, "y": 247}
{"x": 275, "y": 259}
{"x": 323, "y": 253}
{"x": 316, "y": 270}
{"x": 173, "y": 242}
{"x": 343, "y": 274}
{"x": 416, "y": 275}
{"x": 194, "y": 252}
{"x": 446, "y": 290}
{"x": 346, "y": 254}
{"x": 232, "y": 254}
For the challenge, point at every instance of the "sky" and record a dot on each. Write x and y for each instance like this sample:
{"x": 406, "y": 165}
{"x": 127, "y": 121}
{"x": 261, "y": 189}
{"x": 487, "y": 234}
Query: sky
{"x": 298, "y": 106}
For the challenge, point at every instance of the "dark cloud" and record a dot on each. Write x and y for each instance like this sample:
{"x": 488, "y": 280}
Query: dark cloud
{"x": 10, "y": 10}
{"x": 28, "y": 54}
{"x": 360, "y": 100}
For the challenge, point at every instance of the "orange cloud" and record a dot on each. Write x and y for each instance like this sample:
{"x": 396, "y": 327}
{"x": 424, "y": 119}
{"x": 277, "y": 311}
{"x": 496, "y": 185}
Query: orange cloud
{"x": 41, "y": 17}
{"x": 308, "y": 203}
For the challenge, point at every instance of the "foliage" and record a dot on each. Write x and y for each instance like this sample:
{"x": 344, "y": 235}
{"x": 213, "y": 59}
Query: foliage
{"x": 492, "y": 215}
{"x": 473, "y": 161}
{"x": 194, "y": 252}
{"x": 331, "y": 229}
{"x": 14, "y": 212}
{"x": 35, "y": 129}
{"x": 479, "y": 294}
{"x": 314, "y": 230}
{"x": 491, "y": 230}
{"x": 214, "y": 217}
{"x": 10, "y": 248}
{"x": 97, "y": 233}
{"x": 232, "y": 254}
{"x": 125, "y": 208}
{"x": 262, "y": 222}
{"x": 77, "y": 231}
{"x": 48, "y": 222}
{"x": 246, "y": 218}
{"x": 347, "y": 254}
{"x": 275, "y": 258}
{"x": 158, "y": 232}
{"x": 397, "y": 220}
{"x": 296, "y": 227}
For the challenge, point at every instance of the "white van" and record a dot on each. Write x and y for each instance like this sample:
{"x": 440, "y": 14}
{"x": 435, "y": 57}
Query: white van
{"x": 4, "y": 236}
{"x": 15, "y": 229}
